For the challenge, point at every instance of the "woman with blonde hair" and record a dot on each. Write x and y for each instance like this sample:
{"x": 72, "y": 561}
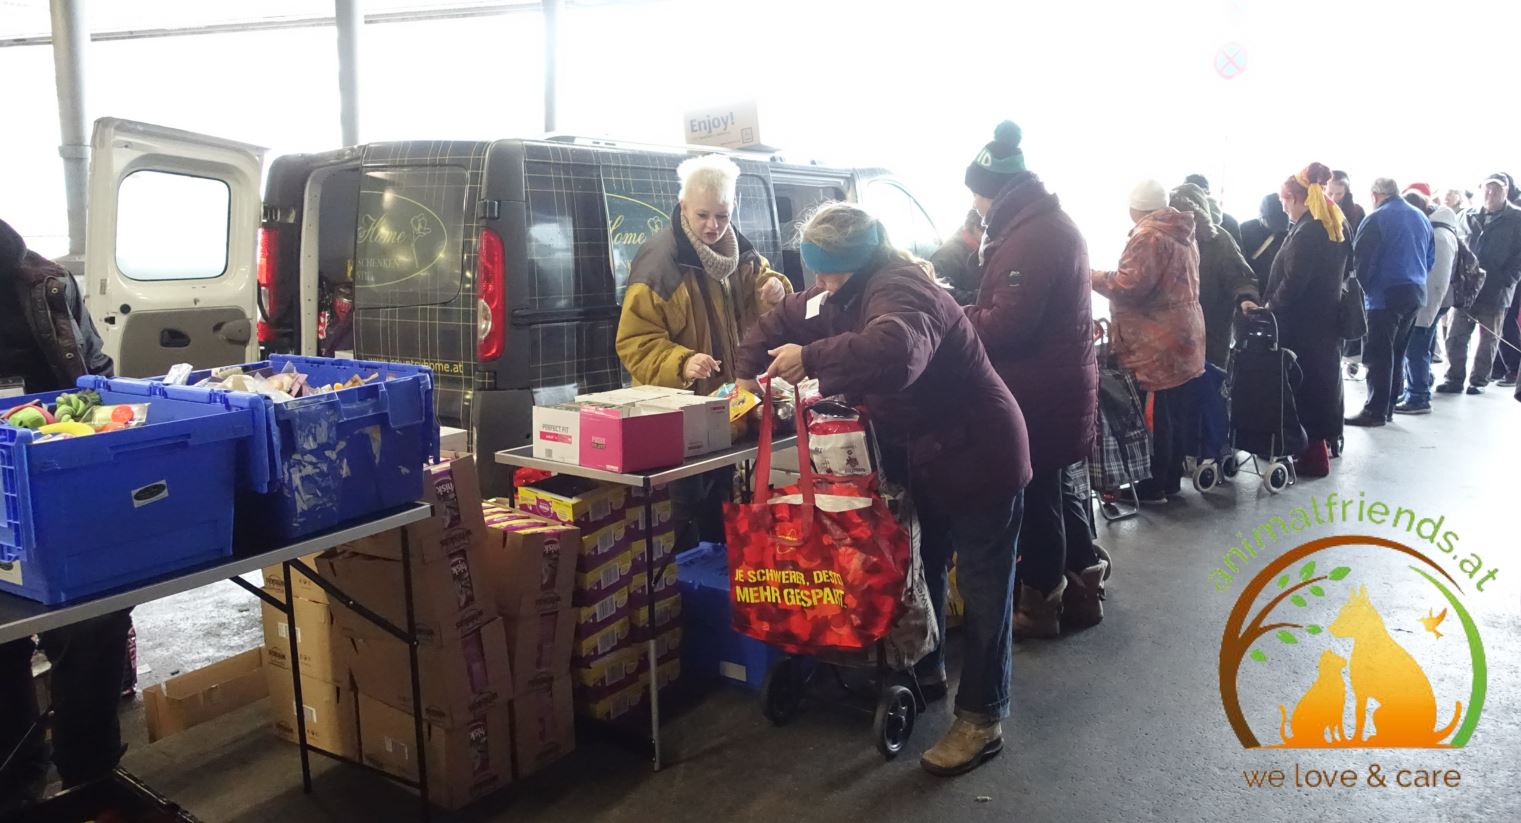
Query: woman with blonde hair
{"x": 694, "y": 289}
{"x": 879, "y": 330}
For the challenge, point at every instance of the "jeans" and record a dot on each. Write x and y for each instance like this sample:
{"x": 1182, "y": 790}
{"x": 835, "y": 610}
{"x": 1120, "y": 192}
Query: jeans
{"x": 697, "y": 507}
{"x": 1485, "y": 319}
{"x": 1388, "y": 333}
{"x": 1418, "y": 365}
{"x": 1174, "y": 436}
{"x": 984, "y": 544}
{"x": 1054, "y": 537}
{"x": 1507, "y": 358}
{"x": 85, "y": 684}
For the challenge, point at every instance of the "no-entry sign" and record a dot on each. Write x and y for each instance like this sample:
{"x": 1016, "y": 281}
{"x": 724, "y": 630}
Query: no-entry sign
{"x": 1230, "y": 61}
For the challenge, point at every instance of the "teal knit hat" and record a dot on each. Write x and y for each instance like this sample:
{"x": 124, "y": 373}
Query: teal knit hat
{"x": 998, "y": 162}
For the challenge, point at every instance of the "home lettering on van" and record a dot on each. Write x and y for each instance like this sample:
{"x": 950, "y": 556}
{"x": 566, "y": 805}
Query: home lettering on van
{"x": 400, "y": 239}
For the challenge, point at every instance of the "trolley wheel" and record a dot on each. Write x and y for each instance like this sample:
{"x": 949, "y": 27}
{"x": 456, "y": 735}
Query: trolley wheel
{"x": 894, "y": 725}
{"x": 1277, "y": 478}
{"x": 1206, "y": 477}
{"x": 782, "y": 691}
{"x": 1230, "y": 466}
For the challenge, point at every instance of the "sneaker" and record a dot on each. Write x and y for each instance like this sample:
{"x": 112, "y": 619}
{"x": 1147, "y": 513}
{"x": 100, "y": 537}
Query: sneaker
{"x": 1103, "y": 554}
{"x": 1408, "y": 407}
{"x": 1450, "y": 388}
{"x": 1436, "y": 357}
{"x": 1508, "y": 381}
{"x": 1475, "y": 390}
{"x": 1365, "y": 420}
{"x": 965, "y": 747}
{"x": 1083, "y": 601}
{"x": 1039, "y": 616}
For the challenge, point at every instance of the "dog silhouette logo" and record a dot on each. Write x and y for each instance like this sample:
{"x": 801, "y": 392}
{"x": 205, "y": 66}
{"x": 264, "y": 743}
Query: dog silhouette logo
{"x": 1336, "y": 645}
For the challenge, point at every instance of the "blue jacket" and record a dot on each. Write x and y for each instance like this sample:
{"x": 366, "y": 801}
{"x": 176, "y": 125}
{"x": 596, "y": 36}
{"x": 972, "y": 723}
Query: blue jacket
{"x": 1393, "y": 251}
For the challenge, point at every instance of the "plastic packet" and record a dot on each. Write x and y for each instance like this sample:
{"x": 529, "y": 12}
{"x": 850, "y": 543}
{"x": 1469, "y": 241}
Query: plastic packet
{"x": 179, "y": 374}
{"x": 119, "y": 416}
{"x": 837, "y": 439}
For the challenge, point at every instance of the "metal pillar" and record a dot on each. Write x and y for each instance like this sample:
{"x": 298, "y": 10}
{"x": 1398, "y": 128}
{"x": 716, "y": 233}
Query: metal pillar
{"x": 70, "y": 42}
{"x": 350, "y": 19}
{"x": 552, "y": 11}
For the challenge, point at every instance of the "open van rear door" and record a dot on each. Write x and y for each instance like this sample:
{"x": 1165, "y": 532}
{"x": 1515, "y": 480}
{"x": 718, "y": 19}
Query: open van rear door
{"x": 172, "y": 247}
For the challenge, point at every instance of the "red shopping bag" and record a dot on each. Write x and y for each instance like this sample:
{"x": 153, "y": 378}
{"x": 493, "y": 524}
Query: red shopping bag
{"x": 816, "y": 567}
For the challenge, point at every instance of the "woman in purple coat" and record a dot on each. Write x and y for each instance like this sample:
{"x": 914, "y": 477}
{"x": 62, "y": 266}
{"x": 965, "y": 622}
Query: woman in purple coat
{"x": 880, "y": 331}
{"x": 1034, "y": 314}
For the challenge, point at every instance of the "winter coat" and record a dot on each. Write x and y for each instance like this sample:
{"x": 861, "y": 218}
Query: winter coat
{"x": 1157, "y": 327}
{"x": 1392, "y": 252}
{"x": 1444, "y": 235}
{"x": 1303, "y": 292}
{"x": 1259, "y": 245}
{"x": 895, "y": 340}
{"x": 955, "y": 263}
{"x": 1225, "y": 279}
{"x": 1354, "y": 213}
{"x": 673, "y": 306}
{"x": 1497, "y": 244}
{"x": 1034, "y": 314}
{"x": 60, "y": 329}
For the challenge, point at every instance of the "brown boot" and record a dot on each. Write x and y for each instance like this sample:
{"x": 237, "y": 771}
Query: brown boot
{"x": 1039, "y": 615}
{"x": 1083, "y": 601}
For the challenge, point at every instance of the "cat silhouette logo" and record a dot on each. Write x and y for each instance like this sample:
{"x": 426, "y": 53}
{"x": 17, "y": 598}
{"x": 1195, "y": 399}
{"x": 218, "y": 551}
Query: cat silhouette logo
{"x": 1352, "y": 642}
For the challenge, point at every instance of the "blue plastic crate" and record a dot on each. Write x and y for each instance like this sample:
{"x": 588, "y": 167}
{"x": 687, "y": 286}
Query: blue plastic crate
{"x": 340, "y": 456}
{"x": 92, "y": 514}
{"x": 710, "y": 648}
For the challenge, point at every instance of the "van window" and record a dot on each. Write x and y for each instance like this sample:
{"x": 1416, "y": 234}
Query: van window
{"x": 171, "y": 226}
{"x": 907, "y": 224}
{"x": 567, "y": 240}
{"x": 794, "y": 202}
{"x": 409, "y": 244}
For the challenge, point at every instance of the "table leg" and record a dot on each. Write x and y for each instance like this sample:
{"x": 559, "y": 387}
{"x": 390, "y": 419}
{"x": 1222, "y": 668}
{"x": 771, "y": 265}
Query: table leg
{"x": 295, "y": 675}
{"x": 425, "y": 811}
{"x": 649, "y": 605}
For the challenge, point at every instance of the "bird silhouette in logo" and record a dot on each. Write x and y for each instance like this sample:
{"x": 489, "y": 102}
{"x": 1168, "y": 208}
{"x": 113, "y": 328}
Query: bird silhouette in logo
{"x": 1431, "y": 621}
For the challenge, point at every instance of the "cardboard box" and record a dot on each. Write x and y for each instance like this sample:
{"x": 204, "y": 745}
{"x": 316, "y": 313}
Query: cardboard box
{"x": 599, "y": 545}
{"x": 461, "y": 677}
{"x": 705, "y": 421}
{"x": 557, "y": 432}
{"x": 615, "y": 704}
{"x": 331, "y": 721}
{"x": 664, "y": 546}
{"x": 667, "y": 613}
{"x": 628, "y": 439}
{"x": 274, "y": 581}
{"x": 631, "y": 394}
{"x": 664, "y": 586}
{"x": 321, "y": 657}
{"x": 597, "y": 616}
{"x": 539, "y": 647}
{"x": 606, "y": 675}
{"x": 543, "y": 726}
{"x": 663, "y": 510}
{"x": 589, "y": 647}
{"x": 455, "y": 492}
{"x": 465, "y": 763}
{"x": 593, "y": 585}
{"x": 531, "y": 569}
{"x": 735, "y": 126}
{"x": 191, "y": 699}
{"x": 451, "y": 594}
{"x": 574, "y": 501}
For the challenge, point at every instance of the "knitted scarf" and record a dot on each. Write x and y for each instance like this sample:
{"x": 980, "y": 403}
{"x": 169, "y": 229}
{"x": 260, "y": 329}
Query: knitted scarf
{"x": 720, "y": 260}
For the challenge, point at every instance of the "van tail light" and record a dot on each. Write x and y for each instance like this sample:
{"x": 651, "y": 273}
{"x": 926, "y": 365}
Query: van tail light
{"x": 269, "y": 254}
{"x": 491, "y": 294}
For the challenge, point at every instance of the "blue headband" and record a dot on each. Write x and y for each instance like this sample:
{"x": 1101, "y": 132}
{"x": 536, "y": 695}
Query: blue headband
{"x": 847, "y": 259}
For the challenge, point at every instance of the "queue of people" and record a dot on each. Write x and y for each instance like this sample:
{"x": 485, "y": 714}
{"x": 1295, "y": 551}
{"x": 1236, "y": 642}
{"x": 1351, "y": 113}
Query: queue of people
{"x": 982, "y": 377}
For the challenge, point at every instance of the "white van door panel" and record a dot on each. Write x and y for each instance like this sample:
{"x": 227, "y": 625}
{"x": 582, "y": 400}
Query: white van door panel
{"x": 172, "y": 247}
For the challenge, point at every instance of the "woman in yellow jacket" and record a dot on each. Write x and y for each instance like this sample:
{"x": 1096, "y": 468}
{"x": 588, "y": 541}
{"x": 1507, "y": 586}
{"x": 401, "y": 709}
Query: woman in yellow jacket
{"x": 694, "y": 290}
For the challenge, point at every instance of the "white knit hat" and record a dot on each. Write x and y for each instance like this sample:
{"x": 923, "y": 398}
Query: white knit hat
{"x": 1148, "y": 196}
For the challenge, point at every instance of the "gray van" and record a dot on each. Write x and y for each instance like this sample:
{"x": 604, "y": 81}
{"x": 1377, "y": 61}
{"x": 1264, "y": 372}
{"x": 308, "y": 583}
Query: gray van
{"x": 502, "y": 264}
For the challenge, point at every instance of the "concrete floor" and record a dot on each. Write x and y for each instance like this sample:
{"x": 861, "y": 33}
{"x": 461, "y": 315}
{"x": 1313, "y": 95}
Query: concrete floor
{"x": 1122, "y": 722}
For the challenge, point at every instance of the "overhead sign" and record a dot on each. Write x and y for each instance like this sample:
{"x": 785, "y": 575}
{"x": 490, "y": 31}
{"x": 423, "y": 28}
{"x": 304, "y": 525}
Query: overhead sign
{"x": 1230, "y": 61}
{"x": 731, "y": 127}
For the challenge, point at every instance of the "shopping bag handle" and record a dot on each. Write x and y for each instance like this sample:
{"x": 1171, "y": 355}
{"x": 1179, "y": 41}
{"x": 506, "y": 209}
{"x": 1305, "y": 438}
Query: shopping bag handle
{"x": 806, "y": 474}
